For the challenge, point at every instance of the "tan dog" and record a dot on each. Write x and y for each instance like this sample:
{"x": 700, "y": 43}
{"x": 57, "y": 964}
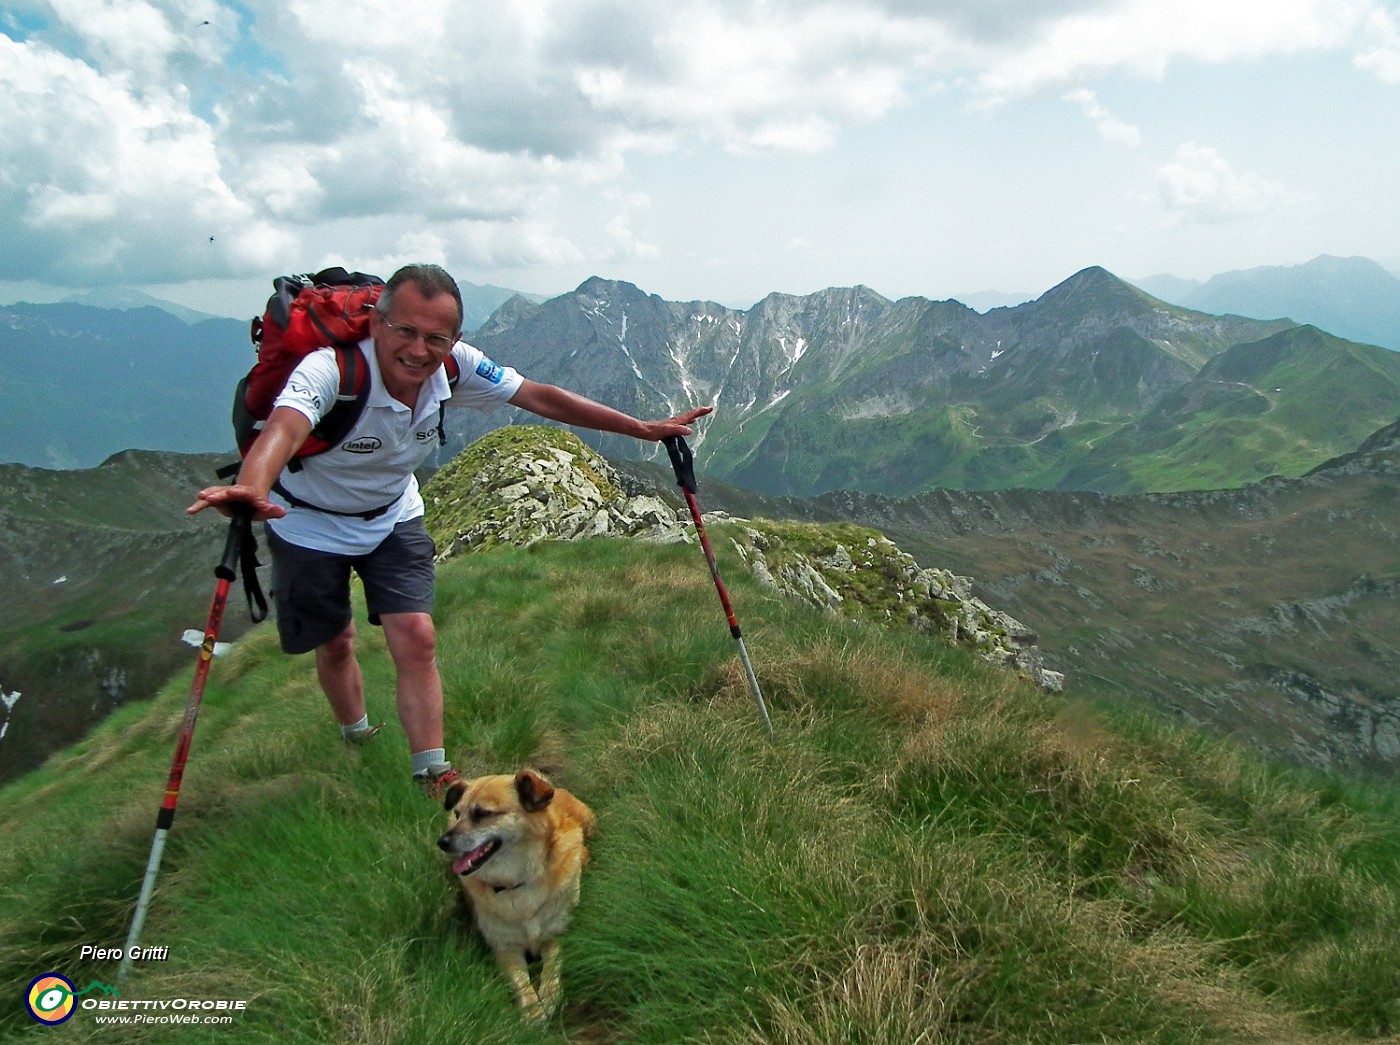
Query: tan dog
{"x": 518, "y": 848}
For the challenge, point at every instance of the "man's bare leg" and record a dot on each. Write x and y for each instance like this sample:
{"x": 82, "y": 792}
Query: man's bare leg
{"x": 413, "y": 646}
{"x": 339, "y": 674}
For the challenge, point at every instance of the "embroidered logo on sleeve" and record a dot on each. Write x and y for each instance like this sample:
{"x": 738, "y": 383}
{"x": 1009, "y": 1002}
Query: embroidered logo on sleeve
{"x": 296, "y": 388}
{"x": 489, "y": 371}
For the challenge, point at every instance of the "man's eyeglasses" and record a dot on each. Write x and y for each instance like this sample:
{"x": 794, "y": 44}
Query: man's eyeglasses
{"x": 407, "y": 334}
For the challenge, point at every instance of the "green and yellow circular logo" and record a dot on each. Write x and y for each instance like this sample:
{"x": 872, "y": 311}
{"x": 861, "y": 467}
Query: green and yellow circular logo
{"x": 50, "y": 998}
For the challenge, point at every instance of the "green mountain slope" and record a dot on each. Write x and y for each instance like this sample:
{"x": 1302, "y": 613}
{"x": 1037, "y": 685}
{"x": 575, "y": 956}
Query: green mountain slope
{"x": 927, "y": 848}
{"x": 78, "y": 384}
{"x": 102, "y": 574}
{"x": 1093, "y": 386}
{"x": 1257, "y": 409}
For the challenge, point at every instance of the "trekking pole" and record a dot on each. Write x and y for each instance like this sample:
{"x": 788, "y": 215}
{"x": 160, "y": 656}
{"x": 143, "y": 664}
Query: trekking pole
{"x": 239, "y": 532}
{"x": 684, "y": 464}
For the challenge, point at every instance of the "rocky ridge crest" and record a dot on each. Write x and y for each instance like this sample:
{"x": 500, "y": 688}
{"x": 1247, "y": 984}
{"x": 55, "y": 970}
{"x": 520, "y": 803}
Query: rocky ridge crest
{"x": 522, "y": 484}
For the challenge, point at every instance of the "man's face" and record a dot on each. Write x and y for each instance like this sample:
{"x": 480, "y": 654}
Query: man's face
{"x": 411, "y": 342}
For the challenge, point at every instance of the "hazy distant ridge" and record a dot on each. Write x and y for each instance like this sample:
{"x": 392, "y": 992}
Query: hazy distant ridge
{"x": 1354, "y": 298}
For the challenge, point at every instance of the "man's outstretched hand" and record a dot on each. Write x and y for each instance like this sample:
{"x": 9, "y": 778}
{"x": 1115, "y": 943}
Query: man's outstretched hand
{"x": 220, "y": 498}
{"x": 678, "y": 425}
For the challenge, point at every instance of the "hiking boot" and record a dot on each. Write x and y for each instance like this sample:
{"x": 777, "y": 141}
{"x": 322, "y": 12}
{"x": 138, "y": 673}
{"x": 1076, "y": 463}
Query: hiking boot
{"x": 362, "y": 736}
{"x": 435, "y": 782}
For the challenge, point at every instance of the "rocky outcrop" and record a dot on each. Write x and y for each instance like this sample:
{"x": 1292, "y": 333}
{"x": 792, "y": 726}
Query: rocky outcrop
{"x": 859, "y": 574}
{"x": 527, "y": 483}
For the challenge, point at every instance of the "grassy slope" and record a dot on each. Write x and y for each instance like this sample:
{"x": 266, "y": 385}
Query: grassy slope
{"x": 928, "y": 847}
{"x": 1252, "y": 411}
{"x": 138, "y": 573}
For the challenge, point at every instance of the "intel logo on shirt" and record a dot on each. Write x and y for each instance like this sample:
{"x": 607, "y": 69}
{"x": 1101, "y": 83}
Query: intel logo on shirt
{"x": 362, "y": 446}
{"x": 489, "y": 371}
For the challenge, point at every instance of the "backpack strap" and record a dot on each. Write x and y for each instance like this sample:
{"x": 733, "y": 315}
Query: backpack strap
{"x": 350, "y": 399}
{"x": 349, "y": 360}
{"x": 454, "y": 374}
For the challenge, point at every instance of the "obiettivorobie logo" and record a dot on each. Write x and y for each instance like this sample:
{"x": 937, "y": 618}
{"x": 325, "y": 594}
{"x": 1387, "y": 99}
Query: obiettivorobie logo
{"x": 51, "y": 997}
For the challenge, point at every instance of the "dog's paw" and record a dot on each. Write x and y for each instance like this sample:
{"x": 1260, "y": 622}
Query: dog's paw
{"x": 551, "y": 989}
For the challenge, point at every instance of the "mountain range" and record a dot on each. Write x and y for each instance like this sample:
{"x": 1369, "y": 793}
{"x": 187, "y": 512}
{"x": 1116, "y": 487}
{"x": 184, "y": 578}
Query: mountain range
{"x": 1354, "y": 298}
{"x": 78, "y": 383}
{"x": 1095, "y": 385}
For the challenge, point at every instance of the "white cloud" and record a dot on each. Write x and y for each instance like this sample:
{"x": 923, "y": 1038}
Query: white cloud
{"x": 1382, "y": 56}
{"x": 101, "y": 184}
{"x": 1110, "y": 128}
{"x": 767, "y": 77}
{"x": 1200, "y": 186}
{"x": 136, "y": 130}
{"x": 1144, "y": 36}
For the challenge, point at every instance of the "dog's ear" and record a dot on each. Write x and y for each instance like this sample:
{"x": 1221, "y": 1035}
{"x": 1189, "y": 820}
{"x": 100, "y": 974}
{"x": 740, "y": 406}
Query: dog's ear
{"x": 454, "y": 795}
{"x": 534, "y": 790}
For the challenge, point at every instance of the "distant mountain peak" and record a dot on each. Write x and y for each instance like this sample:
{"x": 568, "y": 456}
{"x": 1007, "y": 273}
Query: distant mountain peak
{"x": 599, "y": 287}
{"x": 1092, "y": 288}
{"x": 1095, "y": 277}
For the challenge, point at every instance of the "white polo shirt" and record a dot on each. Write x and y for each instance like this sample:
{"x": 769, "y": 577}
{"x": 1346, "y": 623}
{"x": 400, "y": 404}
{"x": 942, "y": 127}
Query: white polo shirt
{"x": 374, "y": 464}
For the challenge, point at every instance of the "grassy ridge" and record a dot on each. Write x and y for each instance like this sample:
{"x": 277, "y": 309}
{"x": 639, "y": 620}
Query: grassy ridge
{"x": 927, "y": 848}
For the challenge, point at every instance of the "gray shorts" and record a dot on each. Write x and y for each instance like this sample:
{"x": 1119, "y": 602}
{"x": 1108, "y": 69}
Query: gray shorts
{"x": 312, "y": 589}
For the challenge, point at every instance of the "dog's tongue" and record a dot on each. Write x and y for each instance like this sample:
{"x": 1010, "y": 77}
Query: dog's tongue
{"x": 469, "y": 862}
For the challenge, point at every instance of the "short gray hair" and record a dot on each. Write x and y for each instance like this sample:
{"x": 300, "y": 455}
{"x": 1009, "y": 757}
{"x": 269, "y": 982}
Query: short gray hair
{"x": 428, "y": 280}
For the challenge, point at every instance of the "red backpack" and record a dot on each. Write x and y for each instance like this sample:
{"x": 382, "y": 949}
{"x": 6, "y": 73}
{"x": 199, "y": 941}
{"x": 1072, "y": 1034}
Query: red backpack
{"x": 330, "y": 309}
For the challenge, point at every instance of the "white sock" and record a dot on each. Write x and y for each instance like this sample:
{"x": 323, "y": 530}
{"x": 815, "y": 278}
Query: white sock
{"x": 432, "y": 759}
{"x": 358, "y": 727}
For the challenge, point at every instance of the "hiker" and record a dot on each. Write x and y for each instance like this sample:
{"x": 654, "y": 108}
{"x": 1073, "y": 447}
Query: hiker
{"x": 357, "y": 506}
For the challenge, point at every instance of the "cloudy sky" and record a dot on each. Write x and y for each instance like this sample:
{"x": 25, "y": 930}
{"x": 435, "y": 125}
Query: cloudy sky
{"x": 702, "y": 149}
